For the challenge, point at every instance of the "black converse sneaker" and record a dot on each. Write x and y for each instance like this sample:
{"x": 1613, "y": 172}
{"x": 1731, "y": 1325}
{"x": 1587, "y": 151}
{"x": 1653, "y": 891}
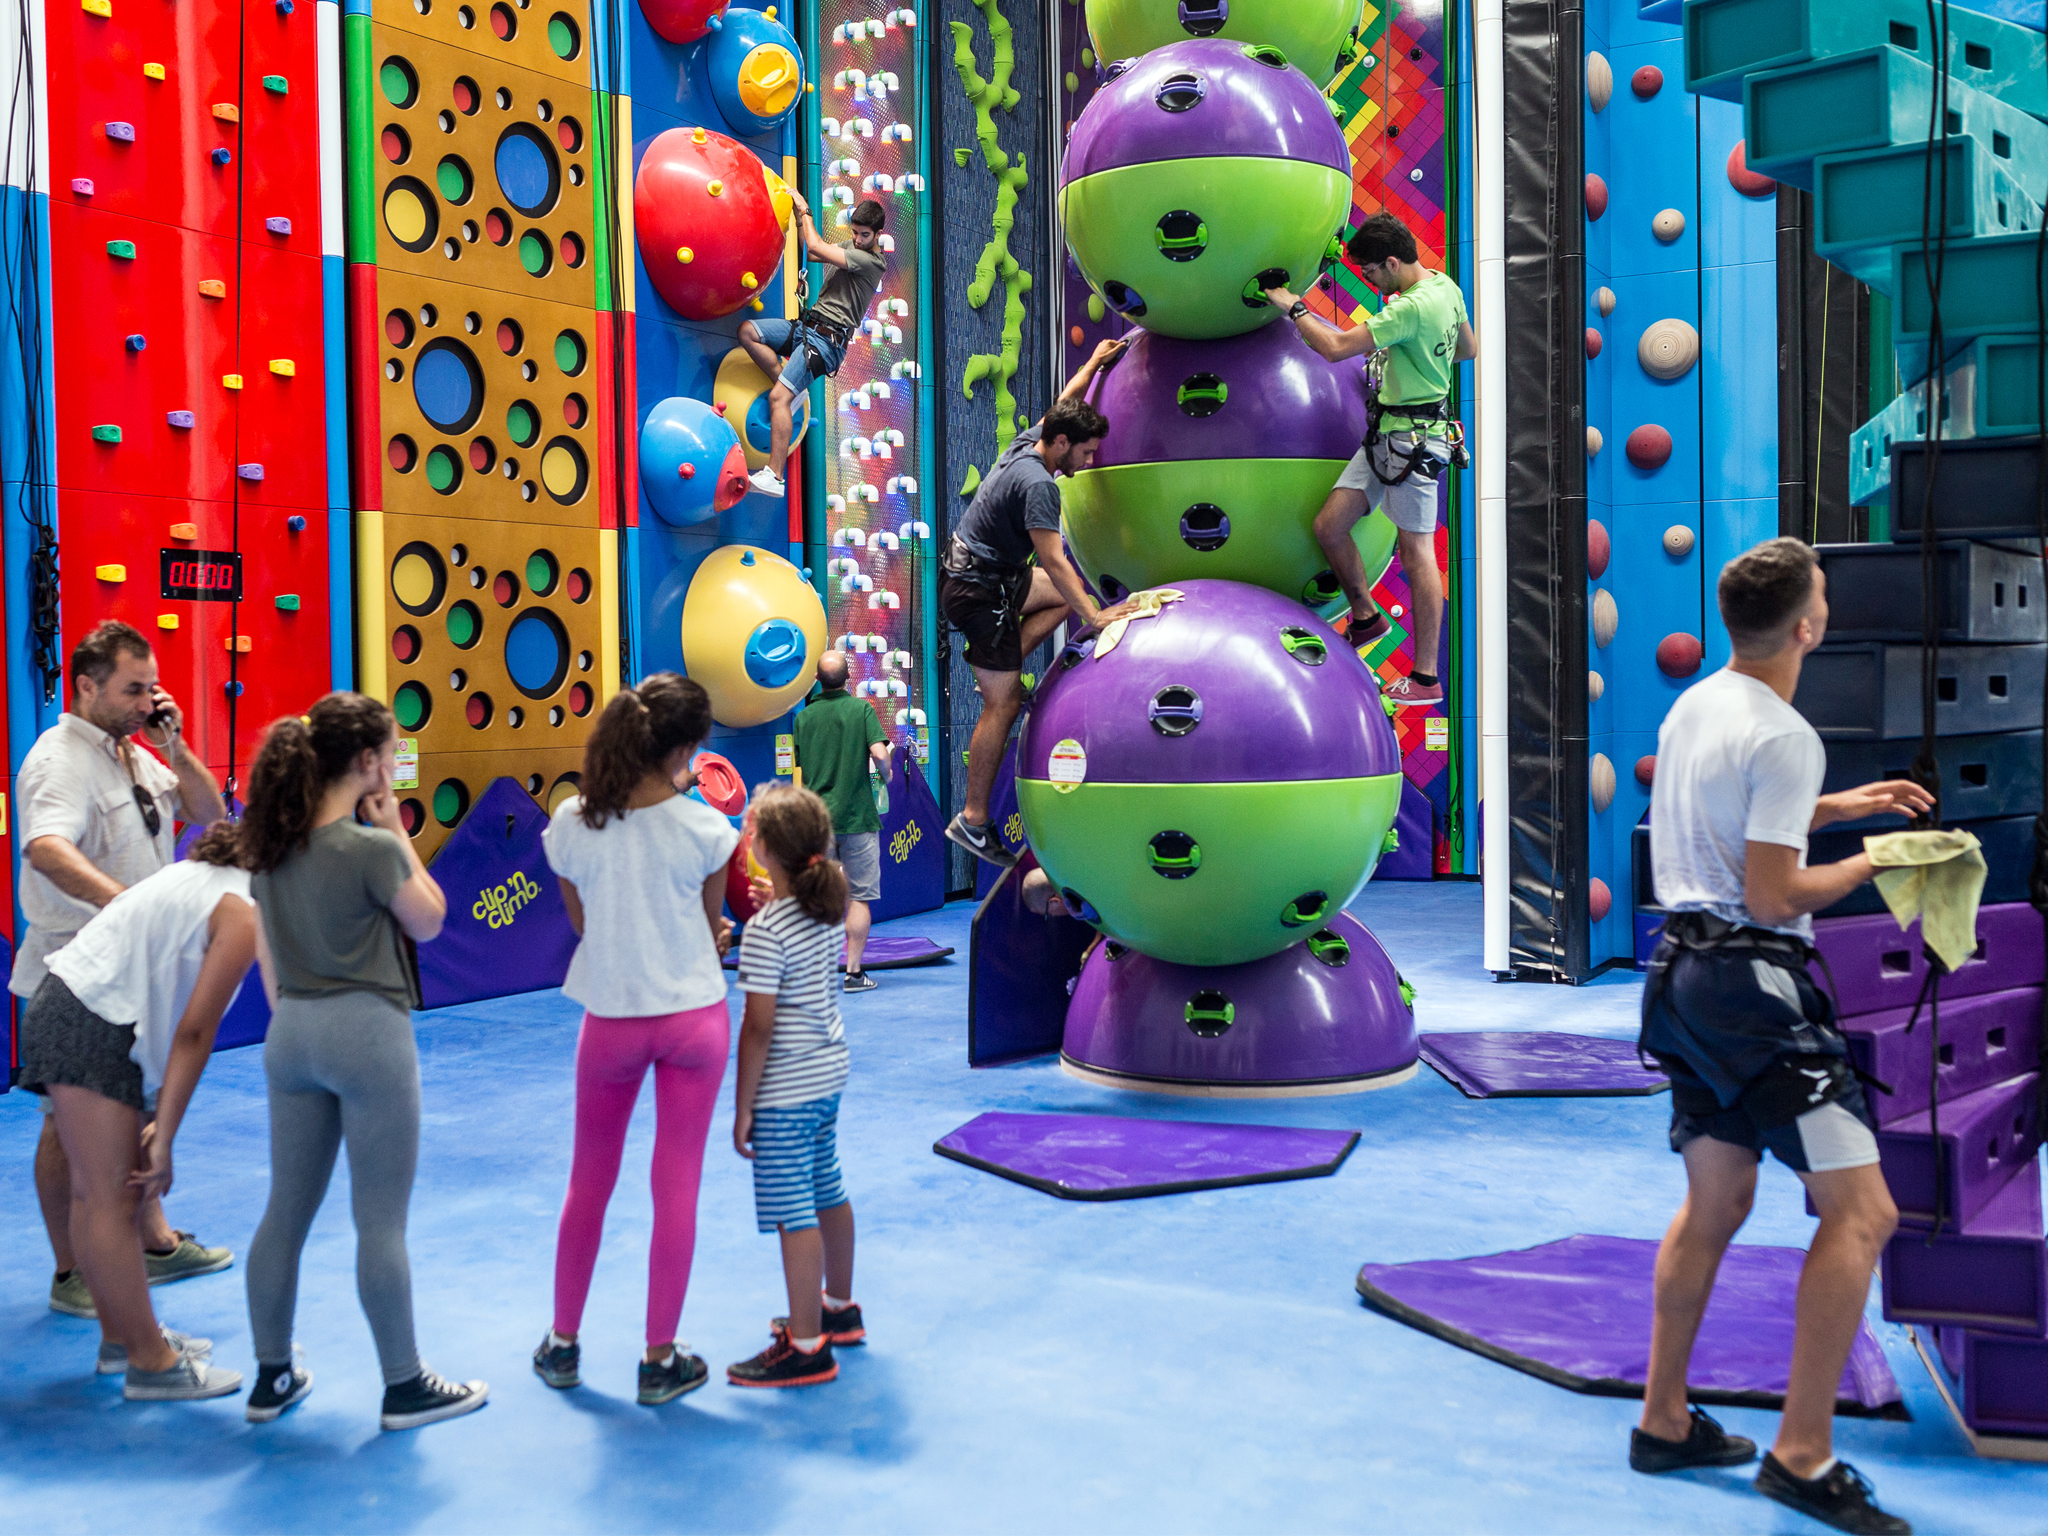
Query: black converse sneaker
{"x": 557, "y": 1364}
{"x": 666, "y": 1380}
{"x": 427, "y": 1399}
{"x": 277, "y": 1388}
{"x": 782, "y": 1364}
{"x": 1706, "y": 1444}
{"x": 980, "y": 841}
{"x": 1841, "y": 1498}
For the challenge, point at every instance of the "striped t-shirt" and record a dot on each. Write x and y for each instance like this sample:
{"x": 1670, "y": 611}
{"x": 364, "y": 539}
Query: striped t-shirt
{"x": 785, "y": 953}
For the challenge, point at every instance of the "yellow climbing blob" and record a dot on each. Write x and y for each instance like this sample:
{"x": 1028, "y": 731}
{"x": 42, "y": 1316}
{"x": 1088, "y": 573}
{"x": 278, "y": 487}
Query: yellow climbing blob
{"x": 413, "y": 580}
{"x": 404, "y": 215}
{"x": 559, "y": 471}
{"x": 769, "y": 79}
{"x": 778, "y": 197}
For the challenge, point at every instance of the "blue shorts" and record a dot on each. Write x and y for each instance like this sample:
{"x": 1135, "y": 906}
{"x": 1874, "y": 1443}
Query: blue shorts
{"x": 796, "y": 1164}
{"x": 780, "y": 335}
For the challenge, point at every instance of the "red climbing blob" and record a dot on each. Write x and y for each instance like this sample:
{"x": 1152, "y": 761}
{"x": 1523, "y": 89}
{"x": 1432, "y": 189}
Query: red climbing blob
{"x": 1749, "y": 183}
{"x": 1679, "y": 655}
{"x": 1596, "y": 197}
{"x": 681, "y": 21}
{"x": 1647, "y": 81}
{"x": 1646, "y": 769}
{"x": 1597, "y": 548}
{"x": 1649, "y": 447}
{"x": 709, "y": 217}
{"x": 1599, "y": 899}
{"x": 1593, "y": 343}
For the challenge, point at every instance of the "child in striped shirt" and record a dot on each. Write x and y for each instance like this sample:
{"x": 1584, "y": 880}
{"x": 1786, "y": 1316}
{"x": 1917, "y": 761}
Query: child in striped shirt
{"x": 792, "y": 1068}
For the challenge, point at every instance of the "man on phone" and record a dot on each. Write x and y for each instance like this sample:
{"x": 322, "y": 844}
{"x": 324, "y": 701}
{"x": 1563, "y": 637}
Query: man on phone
{"x": 97, "y": 815}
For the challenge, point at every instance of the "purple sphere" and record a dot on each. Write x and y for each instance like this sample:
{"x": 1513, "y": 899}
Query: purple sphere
{"x": 1257, "y": 396}
{"x": 1207, "y": 96}
{"x": 1324, "y": 1016}
{"x": 1232, "y": 684}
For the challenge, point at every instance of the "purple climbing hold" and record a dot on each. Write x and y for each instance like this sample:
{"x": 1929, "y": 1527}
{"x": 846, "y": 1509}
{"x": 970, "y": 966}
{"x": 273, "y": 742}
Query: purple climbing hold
{"x": 124, "y": 132}
{"x": 184, "y": 420}
{"x": 82, "y": 185}
{"x": 249, "y": 471}
{"x": 278, "y": 226}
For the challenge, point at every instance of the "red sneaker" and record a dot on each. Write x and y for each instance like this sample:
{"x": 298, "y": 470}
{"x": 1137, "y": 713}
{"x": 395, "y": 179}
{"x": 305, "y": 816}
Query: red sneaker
{"x": 1361, "y": 633}
{"x": 1406, "y": 693}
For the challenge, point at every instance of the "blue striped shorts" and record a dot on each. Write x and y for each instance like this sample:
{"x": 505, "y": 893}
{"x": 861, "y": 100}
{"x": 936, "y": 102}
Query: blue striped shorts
{"x": 796, "y": 1164}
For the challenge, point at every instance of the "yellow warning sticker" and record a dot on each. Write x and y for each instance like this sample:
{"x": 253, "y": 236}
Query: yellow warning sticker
{"x": 1068, "y": 767}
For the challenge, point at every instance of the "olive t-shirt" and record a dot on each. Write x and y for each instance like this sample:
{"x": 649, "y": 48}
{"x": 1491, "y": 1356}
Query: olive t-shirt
{"x": 848, "y": 290}
{"x": 327, "y": 915}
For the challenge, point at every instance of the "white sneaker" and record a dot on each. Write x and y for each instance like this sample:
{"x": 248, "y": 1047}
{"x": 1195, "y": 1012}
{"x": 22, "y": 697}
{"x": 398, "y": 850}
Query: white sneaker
{"x": 192, "y": 1377}
{"x": 114, "y": 1357}
{"x": 767, "y": 483}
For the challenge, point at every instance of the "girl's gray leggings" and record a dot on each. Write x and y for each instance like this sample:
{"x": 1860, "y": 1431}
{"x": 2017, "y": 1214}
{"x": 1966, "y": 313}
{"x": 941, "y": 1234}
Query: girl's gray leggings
{"x": 340, "y": 1069}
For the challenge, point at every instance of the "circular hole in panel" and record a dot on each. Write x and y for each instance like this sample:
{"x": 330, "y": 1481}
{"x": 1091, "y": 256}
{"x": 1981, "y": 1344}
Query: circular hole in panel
{"x": 403, "y": 453}
{"x": 503, "y": 98}
{"x": 465, "y": 624}
{"x": 398, "y": 328}
{"x": 448, "y": 385}
{"x": 510, "y": 469}
{"x": 523, "y": 422}
{"x": 472, "y": 322}
{"x": 534, "y": 782}
{"x": 397, "y": 144}
{"x": 498, "y": 226}
{"x": 511, "y": 337}
{"x": 453, "y": 177}
{"x": 575, "y": 175}
{"x": 469, "y": 232}
{"x": 394, "y": 370}
{"x": 572, "y": 248}
{"x": 529, "y": 371}
{"x": 584, "y": 661}
{"x": 575, "y": 410}
{"x": 534, "y": 253}
{"x": 458, "y": 554}
{"x": 400, "y": 85}
{"x": 467, "y": 97}
{"x": 411, "y": 814}
{"x": 544, "y": 109}
{"x": 515, "y": 717}
{"x": 571, "y": 353}
{"x": 458, "y": 680}
{"x": 476, "y": 709}
{"x": 504, "y": 22}
{"x": 411, "y": 215}
{"x": 445, "y": 121}
{"x": 412, "y": 706}
{"x": 450, "y": 249}
{"x": 423, "y": 6}
{"x": 477, "y": 576}
{"x": 429, "y": 316}
{"x": 418, "y": 578}
{"x": 556, "y": 715}
{"x": 537, "y": 654}
{"x": 569, "y": 134}
{"x": 451, "y": 801}
{"x": 528, "y": 491}
{"x": 444, "y": 469}
{"x": 578, "y": 585}
{"x": 483, "y": 453}
{"x": 564, "y": 470}
{"x": 529, "y": 172}
{"x": 505, "y": 589}
{"x": 568, "y": 784}
{"x": 465, "y": 18}
{"x": 405, "y": 643}
{"x": 564, "y": 36}
{"x": 580, "y": 699}
{"x": 542, "y": 572}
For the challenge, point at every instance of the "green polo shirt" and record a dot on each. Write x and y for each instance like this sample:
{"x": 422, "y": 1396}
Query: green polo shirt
{"x": 1418, "y": 330}
{"x": 833, "y": 734}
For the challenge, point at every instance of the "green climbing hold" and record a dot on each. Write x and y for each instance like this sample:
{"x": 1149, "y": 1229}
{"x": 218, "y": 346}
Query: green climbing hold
{"x": 963, "y": 158}
{"x": 1096, "y": 309}
{"x": 1407, "y": 991}
{"x": 973, "y": 481}
{"x": 288, "y": 602}
{"x": 1087, "y": 58}
{"x": 1073, "y": 81}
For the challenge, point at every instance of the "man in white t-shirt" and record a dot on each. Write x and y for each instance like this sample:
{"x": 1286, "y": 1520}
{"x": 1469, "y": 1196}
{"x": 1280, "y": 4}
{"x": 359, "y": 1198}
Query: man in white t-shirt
{"x": 1749, "y": 1042}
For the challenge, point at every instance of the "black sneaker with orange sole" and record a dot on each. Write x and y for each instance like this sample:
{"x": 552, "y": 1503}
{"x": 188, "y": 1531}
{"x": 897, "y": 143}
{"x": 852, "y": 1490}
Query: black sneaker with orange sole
{"x": 782, "y": 1364}
{"x": 842, "y": 1325}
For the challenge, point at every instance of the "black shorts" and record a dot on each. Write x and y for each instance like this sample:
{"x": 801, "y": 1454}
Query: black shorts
{"x": 989, "y": 613}
{"x": 63, "y": 1041}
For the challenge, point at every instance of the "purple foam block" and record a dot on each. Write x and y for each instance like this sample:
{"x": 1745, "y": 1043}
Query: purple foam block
{"x": 1413, "y": 856}
{"x": 1282, "y": 401}
{"x": 1992, "y": 1275}
{"x": 1987, "y": 1138}
{"x": 913, "y": 846}
{"x": 1322, "y": 1017}
{"x": 1110, "y": 1157}
{"x": 1532, "y": 1064}
{"x": 1021, "y": 967}
{"x": 1876, "y": 967}
{"x": 1576, "y": 1312}
{"x": 1984, "y": 1040}
{"x": 507, "y": 930}
{"x": 1265, "y": 713}
{"x": 2004, "y": 1380}
{"x": 1230, "y": 104}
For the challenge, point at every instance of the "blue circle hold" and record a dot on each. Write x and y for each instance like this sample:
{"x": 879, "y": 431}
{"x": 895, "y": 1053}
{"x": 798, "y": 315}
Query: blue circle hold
{"x": 526, "y": 171}
{"x": 448, "y": 386}
{"x": 536, "y": 654}
{"x": 775, "y": 653}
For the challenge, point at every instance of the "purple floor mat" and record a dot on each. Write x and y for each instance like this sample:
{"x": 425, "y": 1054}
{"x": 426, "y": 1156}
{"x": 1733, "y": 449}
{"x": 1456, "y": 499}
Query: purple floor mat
{"x": 1532, "y": 1064}
{"x": 882, "y": 954}
{"x": 1110, "y": 1157}
{"x": 1576, "y": 1312}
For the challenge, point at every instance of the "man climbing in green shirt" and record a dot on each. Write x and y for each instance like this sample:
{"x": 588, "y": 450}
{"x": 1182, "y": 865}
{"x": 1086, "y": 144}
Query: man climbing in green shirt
{"x": 1412, "y": 347}
{"x": 836, "y": 737}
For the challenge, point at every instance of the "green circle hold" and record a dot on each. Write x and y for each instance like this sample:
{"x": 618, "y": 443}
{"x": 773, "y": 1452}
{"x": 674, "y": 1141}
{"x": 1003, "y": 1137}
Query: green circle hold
{"x": 521, "y": 422}
{"x": 443, "y": 471}
{"x": 540, "y": 572}
{"x": 400, "y": 85}
{"x": 569, "y": 352}
{"x": 409, "y": 706}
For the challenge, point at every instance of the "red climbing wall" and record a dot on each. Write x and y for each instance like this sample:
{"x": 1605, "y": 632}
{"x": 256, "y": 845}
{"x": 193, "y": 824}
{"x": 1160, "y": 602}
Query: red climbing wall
{"x": 185, "y": 248}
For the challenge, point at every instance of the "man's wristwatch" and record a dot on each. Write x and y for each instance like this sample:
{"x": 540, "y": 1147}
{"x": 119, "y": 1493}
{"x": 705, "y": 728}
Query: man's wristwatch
{"x": 1300, "y": 309}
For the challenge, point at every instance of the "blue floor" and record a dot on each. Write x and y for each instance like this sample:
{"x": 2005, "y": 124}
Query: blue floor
{"x": 1192, "y": 1363}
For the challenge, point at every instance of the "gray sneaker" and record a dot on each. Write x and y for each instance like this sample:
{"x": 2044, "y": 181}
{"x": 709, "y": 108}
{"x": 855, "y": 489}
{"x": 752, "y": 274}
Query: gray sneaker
{"x": 69, "y": 1295}
{"x": 980, "y": 841}
{"x": 114, "y": 1357}
{"x": 189, "y": 1379}
{"x": 191, "y": 1257}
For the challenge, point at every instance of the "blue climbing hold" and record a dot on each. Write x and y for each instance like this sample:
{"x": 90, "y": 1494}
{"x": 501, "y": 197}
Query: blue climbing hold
{"x": 775, "y": 654}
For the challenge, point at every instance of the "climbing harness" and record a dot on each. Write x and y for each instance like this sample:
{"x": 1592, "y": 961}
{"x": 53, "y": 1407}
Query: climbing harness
{"x": 1426, "y": 457}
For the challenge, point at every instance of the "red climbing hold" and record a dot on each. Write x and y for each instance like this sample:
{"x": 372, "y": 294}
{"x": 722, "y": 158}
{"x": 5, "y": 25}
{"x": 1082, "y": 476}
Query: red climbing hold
{"x": 1596, "y": 196}
{"x": 1598, "y": 548}
{"x": 1649, "y": 447}
{"x": 1599, "y": 899}
{"x": 1646, "y": 769}
{"x": 1593, "y": 342}
{"x": 1749, "y": 183}
{"x": 1647, "y": 81}
{"x": 1679, "y": 655}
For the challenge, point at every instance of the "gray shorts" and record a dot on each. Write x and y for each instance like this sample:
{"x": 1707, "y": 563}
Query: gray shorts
{"x": 860, "y": 855}
{"x": 1411, "y": 505}
{"x": 63, "y": 1041}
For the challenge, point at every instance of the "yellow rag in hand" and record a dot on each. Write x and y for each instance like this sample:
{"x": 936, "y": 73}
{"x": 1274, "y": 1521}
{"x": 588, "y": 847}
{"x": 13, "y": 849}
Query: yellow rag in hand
{"x": 1937, "y": 877}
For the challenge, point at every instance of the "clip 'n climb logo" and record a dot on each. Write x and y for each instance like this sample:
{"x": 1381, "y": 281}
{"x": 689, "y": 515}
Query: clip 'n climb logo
{"x": 496, "y": 906}
{"x": 906, "y": 838}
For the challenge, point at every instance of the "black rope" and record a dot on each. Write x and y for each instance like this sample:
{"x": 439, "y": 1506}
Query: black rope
{"x": 1926, "y": 769}
{"x": 1930, "y": 999}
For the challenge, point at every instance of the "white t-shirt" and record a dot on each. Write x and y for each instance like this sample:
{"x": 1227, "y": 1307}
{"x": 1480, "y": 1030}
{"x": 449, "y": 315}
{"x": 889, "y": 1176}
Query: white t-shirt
{"x": 787, "y": 955}
{"x": 646, "y": 947}
{"x": 138, "y": 961}
{"x": 1736, "y": 764}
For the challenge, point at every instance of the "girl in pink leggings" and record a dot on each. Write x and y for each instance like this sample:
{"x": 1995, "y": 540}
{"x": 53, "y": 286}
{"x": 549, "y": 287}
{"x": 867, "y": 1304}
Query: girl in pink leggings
{"x": 643, "y": 875}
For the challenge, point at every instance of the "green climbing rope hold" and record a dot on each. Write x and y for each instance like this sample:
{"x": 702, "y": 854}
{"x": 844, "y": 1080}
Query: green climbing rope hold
{"x": 973, "y": 481}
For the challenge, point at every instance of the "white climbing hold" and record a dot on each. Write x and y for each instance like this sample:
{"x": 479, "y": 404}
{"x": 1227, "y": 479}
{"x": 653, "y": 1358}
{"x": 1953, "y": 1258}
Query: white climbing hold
{"x": 1594, "y": 442}
{"x": 1599, "y": 81}
{"x": 1668, "y": 349}
{"x": 1595, "y": 686}
{"x": 1668, "y": 225}
{"x": 1606, "y": 618}
{"x": 1604, "y": 297}
{"x": 1600, "y": 780}
{"x": 1678, "y": 541}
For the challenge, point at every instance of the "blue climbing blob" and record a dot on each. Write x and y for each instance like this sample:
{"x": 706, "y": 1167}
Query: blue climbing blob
{"x": 537, "y": 654}
{"x": 525, "y": 165}
{"x": 775, "y": 654}
{"x": 445, "y": 386}
{"x": 761, "y": 427}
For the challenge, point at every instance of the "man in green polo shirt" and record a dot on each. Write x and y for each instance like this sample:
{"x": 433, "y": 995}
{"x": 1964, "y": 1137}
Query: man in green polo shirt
{"x": 1413, "y": 346}
{"x": 836, "y": 736}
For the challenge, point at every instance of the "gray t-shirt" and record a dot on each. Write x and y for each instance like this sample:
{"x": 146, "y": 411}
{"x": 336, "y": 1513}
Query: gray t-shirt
{"x": 1020, "y": 494}
{"x": 848, "y": 290}
{"x": 327, "y": 915}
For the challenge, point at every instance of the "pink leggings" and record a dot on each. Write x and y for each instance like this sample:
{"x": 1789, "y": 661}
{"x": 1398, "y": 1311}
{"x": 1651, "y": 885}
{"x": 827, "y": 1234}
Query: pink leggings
{"x": 687, "y": 1052}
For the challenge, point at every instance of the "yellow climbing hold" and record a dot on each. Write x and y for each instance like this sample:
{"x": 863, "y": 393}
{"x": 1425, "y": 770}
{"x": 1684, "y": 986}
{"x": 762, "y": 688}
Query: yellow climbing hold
{"x": 412, "y": 579}
{"x": 405, "y": 215}
{"x": 153, "y": 71}
{"x": 96, "y": 7}
{"x": 715, "y": 187}
{"x": 165, "y": 620}
{"x": 184, "y": 530}
{"x": 110, "y": 572}
{"x": 698, "y": 136}
{"x": 212, "y": 288}
{"x": 284, "y": 366}
{"x": 559, "y": 471}
{"x": 685, "y": 255}
{"x": 747, "y": 280}
{"x": 231, "y": 381}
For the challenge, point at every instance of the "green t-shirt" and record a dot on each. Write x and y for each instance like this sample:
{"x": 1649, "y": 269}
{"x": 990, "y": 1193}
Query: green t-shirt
{"x": 833, "y": 734}
{"x": 327, "y": 915}
{"x": 1418, "y": 330}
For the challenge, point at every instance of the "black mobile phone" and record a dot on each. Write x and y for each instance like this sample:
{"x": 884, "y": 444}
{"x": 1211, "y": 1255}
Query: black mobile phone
{"x": 158, "y": 720}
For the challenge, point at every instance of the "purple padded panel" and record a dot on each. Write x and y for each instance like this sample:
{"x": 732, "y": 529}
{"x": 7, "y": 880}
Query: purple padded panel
{"x": 913, "y": 847}
{"x": 1987, "y": 1138}
{"x": 1021, "y": 968}
{"x": 1002, "y": 815}
{"x": 1992, "y": 1275}
{"x": 1246, "y": 109}
{"x": 1984, "y": 1040}
{"x": 507, "y": 930}
{"x": 893, "y": 953}
{"x": 1111, "y": 1157}
{"x": 1414, "y": 853}
{"x": 1576, "y": 1312}
{"x": 1536, "y": 1064}
{"x": 2004, "y": 1381}
{"x": 1876, "y": 967}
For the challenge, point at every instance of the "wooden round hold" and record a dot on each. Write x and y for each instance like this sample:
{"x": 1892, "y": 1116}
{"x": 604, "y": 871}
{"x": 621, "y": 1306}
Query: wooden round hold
{"x": 1600, "y": 780}
{"x": 1668, "y": 225}
{"x": 1606, "y": 618}
{"x": 1678, "y": 541}
{"x": 1668, "y": 349}
{"x": 1599, "y": 81}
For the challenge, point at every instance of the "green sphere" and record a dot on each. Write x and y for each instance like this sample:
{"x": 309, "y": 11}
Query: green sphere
{"x": 1309, "y": 32}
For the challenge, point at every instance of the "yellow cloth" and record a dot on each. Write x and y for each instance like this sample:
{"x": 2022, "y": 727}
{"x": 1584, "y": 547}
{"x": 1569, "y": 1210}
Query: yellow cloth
{"x": 1937, "y": 877}
{"x": 1145, "y": 605}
